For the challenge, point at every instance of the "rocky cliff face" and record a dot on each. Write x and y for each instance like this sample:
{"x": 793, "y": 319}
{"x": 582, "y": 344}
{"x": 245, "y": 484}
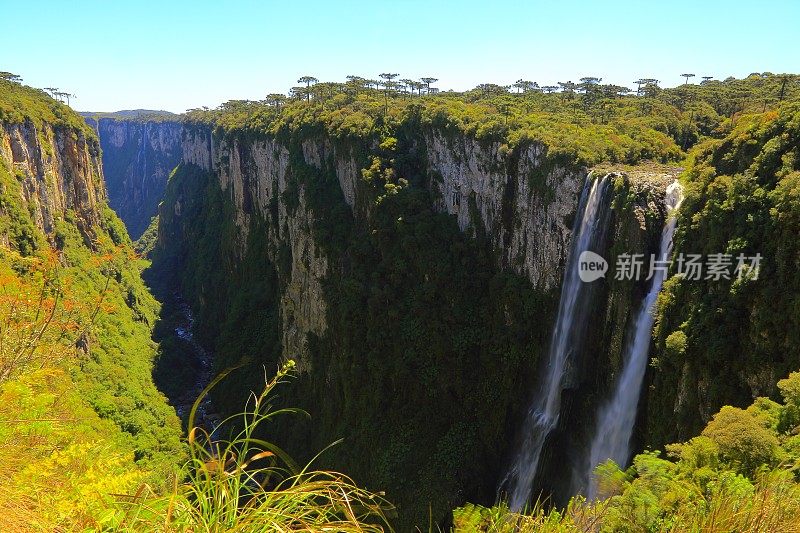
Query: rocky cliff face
{"x": 256, "y": 177}
{"x": 138, "y": 156}
{"x": 57, "y": 171}
{"x": 523, "y": 206}
{"x": 362, "y": 288}
{"x": 65, "y": 245}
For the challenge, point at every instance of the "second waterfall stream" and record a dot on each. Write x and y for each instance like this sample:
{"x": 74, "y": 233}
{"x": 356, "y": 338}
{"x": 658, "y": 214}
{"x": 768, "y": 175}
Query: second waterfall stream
{"x": 616, "y": 419}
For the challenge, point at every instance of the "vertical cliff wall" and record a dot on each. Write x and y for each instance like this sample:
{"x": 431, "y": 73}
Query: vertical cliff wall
{"x": 727, "y": 339}
{"x": 523, "y": 203}
{"x": 138, "y": 155}
{"x": 417, "y": 315}
{"x": 55, "y": 171}
{"x": 522, "y": 207}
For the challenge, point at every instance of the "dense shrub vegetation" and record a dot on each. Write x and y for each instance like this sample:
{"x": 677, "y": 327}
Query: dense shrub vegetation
{"x": 586, "y": 123}
{"x": 86, "y": 440}
{"x": 739, "y": 474}
{"x": 728, "y": 341}
{"x": 81, "y": 418}
{"x": 459, "y": 343}
{"x": 718, "y": 342}
{"x": 416, "y": 307}
{"x": 19, "y": 102}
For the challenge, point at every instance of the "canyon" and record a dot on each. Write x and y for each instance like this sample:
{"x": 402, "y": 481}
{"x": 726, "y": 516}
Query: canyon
{"x": 420, "y": 275}
{"x": 138, "y": 156}
{"x": 269, "y": 251}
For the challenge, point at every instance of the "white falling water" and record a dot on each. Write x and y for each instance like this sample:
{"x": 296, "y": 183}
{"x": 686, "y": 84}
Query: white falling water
{"x": 543, "y": 414}
{"x": 616, "y": 419}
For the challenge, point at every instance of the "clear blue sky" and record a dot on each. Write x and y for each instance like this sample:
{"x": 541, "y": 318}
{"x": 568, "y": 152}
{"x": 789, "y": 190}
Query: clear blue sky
{"x": 176, "y": 55}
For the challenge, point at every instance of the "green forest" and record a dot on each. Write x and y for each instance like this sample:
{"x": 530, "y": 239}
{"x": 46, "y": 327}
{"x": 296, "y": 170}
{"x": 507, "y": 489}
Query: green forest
{"x": 398, "y": 414}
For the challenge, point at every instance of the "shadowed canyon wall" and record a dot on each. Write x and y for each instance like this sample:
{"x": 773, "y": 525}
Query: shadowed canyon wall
{"x": 417, "y": 316}
{"x": 419, "y": 310}
{"x": 138, "y": 155}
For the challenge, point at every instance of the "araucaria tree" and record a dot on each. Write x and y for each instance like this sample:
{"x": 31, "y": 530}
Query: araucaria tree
{"x": 308, "y": 80}
{"x": 387, "y": 77}
{"x": 355, "y": 83}
{"x": 427, "y": 82}
{"x": 786, "y": 78}
{"x": 388, "y": 83}
{"x": 588, "y": 86}
{"x": 567, "y": 88}
{"x": 650, "y": 87}
{"x": 275, "y": 100}
{"x": 407, "y": 85}
{"x": 9, "y": 76}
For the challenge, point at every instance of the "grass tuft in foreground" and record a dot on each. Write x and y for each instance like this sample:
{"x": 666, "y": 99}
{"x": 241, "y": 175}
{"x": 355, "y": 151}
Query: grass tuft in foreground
{"x": 246, "y": 484}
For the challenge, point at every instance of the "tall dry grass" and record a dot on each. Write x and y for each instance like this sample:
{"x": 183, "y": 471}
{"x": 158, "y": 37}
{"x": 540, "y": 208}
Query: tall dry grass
{"x": 245, "y": 484}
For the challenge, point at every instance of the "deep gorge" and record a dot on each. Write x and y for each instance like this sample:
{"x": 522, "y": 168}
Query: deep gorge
{"x": 378, "y": 267}
{"x": 287, "y": 240}
{"x": 416, "y": 265}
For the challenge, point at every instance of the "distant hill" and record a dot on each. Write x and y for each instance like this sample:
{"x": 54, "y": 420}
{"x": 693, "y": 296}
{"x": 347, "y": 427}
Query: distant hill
{"x": 127, "y": 114}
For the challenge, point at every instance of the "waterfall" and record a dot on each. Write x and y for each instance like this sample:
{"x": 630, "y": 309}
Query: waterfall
{"x": 588, "y": 229}
{"x": 616, "y": 419}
